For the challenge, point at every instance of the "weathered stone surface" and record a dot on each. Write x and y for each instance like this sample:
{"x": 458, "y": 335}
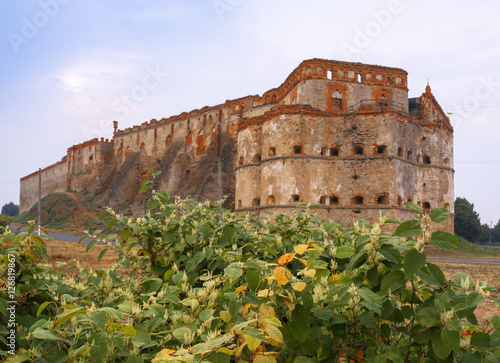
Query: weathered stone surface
{"x": 342, "y": 136}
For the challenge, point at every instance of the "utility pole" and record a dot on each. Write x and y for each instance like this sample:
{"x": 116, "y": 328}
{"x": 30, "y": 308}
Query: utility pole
{"x": 219, "y": 163}
{"x": 489, "y": 234}
{"x": 39, "y": 199}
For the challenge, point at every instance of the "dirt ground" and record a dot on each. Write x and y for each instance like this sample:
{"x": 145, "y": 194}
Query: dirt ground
{"x": 63, "y": 251}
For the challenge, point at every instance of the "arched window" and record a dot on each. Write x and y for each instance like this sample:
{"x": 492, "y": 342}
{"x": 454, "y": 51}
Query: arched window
{"x": 427, "y": 159}
{"x": 358, "y": 150}
{"x": 255, "y": 202}
{"x": 296, "y": 198}
{"x": 383, "y": 199}
{"x": 334, "y": 151}
{"x": 358, "y": 200}
{"x": 382, "y": 101}
{"x": 337, "y": 98}
{"x": 400, "y": 152}
{"x": 381, "y": 149}
{"x": 334, "y": 200}
{"x": 272, "y": 151}
{"x": 322, "y": 199}
{"x": 143, "y": 149}
{"x": 270, "y": 199}
{"x": 256, "y": 158}
{"x": 329, "y": 74}
{"x": 297, "y": 149}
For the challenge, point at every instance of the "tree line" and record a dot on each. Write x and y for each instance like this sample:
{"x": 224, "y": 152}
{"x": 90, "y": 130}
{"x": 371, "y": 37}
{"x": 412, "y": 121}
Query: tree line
{"x": 468, "y": 223}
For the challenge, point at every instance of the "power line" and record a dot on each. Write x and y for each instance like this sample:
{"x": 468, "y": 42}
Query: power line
{"x": 478, "y": 162}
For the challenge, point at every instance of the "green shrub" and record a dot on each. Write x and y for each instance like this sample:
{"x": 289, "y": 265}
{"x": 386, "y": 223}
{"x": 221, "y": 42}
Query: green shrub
{"x": 5, "y": 220}
{"x": 193, "y": 285}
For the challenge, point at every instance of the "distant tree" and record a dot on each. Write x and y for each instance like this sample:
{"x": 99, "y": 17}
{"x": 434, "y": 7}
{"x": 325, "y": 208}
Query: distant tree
{"x": 10, "y": 209}
{"x": 485, "y": 233}
{"x": 495, "y": 232}
{"x": 467, "y": 222}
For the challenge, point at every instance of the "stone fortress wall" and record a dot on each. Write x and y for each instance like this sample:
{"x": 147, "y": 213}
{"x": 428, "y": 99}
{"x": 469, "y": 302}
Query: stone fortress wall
{"x": 341, "y": 136}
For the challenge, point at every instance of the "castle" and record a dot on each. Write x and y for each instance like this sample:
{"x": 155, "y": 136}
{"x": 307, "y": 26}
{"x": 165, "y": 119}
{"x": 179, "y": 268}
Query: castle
{"x": 341, "y": 136}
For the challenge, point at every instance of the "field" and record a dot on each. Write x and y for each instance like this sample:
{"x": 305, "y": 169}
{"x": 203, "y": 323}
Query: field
{"x": 62, "y": 251}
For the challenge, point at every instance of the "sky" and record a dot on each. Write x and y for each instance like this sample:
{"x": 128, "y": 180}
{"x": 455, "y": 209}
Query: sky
{"x": 71, "y": 67}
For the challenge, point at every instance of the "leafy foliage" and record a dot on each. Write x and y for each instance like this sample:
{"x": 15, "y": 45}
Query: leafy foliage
{"x": 5, "y": 220}
{"x": 192, "y": 284}
{"x": 467, "y": 222}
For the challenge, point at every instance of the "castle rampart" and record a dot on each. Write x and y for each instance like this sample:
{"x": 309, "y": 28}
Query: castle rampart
{"x": 342, "y": 136}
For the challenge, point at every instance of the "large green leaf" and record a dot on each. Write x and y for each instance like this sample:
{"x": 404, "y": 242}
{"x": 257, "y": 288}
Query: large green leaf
{"x": 22, "y": 355}
{"x": 480, "y": 340}
{"x": 100, "y": 319}
{"x": 441, "y": 350}
{"x": 344, "y": 252}
{"x": 429, "y": 316}
{"x": 233, "y": 271}
{"x": 414, "y": 207}
{"x": 438, "y": 215}
{"x": 98, "y": 352}
{"x": 299, "y": 325}
{"x": 409, "y": 229}
{"x": 228, "y": 234}
{"x": 451, "y": 334}
{"x": 45, "y": 334}
{"x": 413, "y": 262}
{"x": 393, "y": 281}
{"x": 370, "y": 300}
{"x": 151, "y": 285}
{"x": 444, "y": 240}
{"x": 68, "y": 314}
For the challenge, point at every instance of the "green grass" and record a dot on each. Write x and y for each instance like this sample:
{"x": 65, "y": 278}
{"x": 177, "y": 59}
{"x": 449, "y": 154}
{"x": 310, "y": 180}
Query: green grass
{"x": 477, "y": 250}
